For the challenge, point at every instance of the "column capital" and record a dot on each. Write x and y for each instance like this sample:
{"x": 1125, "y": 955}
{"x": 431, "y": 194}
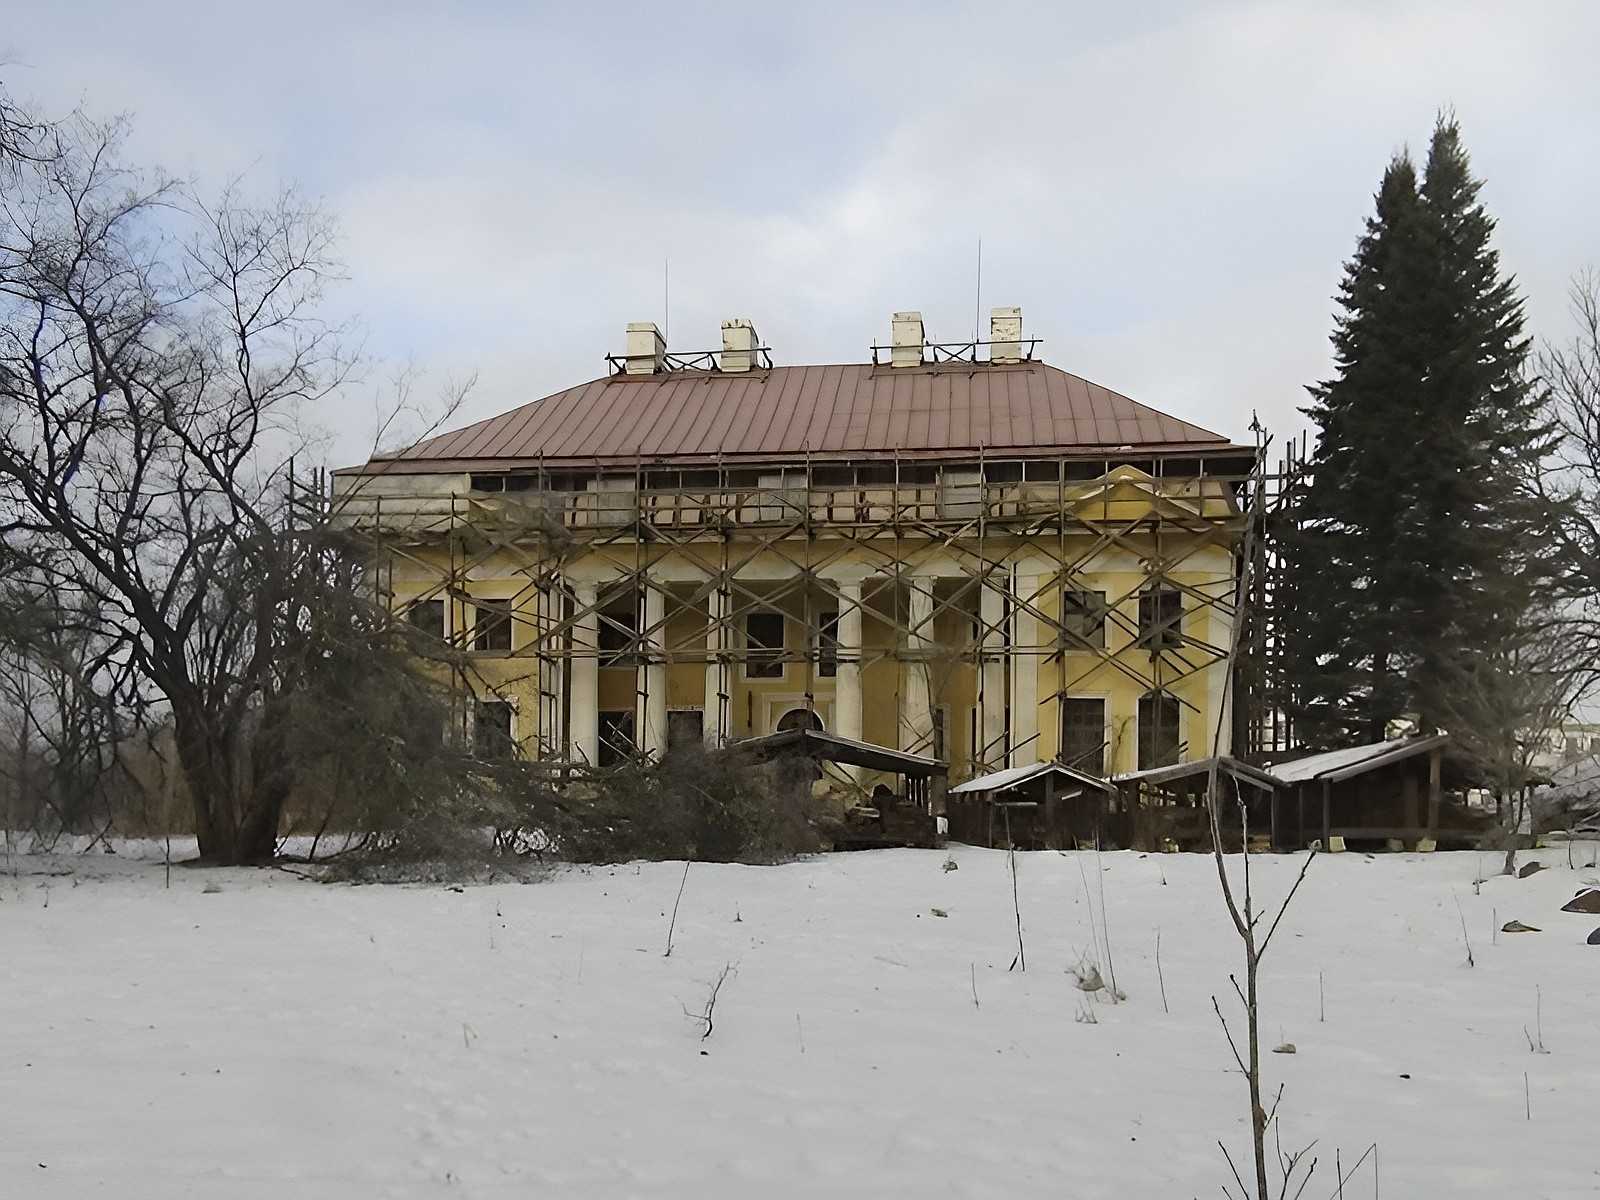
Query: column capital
{"x": 846, "y": 574}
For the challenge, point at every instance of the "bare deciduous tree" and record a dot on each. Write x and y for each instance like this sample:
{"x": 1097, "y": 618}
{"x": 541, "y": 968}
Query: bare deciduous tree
{"x": 156, "y": 352}
{"x": 59, "y": 721}
{"x": 19, "y": 132}
{"x": 1502, "y": 701}
{"x": 1247, "y": 921}
{"x": 1571, "y": 373}
{"x": 1246, "y": 917}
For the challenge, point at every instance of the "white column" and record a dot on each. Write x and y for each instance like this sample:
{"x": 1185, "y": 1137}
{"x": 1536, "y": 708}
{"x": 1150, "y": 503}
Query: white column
{"x": 847, "y": 680}
{"x": 916, "y": 717}
{"x": 583, "y": 712}
{"x": 991, "y": 752}
{"x": 650, "y": 716}
{"x": 1024, "y": 675}
{"x": 715, "y": 714}
{"x": 552, "y": 669}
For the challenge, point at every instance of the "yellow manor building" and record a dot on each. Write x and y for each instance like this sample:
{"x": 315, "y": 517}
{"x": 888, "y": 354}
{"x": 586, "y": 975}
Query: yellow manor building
{"x": 955, "y": 550}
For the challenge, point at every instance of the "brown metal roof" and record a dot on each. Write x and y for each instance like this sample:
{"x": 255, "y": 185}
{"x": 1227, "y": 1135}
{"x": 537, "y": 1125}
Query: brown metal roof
{"x": 848, "y": 411}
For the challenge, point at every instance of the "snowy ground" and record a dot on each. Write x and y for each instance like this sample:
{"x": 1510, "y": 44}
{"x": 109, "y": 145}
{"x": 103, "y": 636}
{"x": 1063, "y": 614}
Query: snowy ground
{"x": 284, "y": 1038}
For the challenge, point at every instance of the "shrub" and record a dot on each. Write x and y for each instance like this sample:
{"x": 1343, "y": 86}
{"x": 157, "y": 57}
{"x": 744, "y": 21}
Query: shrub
{"x": 717, "y": 806}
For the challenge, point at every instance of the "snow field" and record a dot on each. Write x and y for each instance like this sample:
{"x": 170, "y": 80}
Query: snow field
{"x": 286, "y": 1038}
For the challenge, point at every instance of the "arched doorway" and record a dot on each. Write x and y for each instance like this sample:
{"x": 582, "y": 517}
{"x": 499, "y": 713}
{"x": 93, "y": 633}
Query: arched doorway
{"x": 800, "y": 718}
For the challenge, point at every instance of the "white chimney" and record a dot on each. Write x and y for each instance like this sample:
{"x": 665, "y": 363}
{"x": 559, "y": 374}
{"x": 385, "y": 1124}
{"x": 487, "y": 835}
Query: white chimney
{"x": 1005, "y": 335}
{"x": 646, "y": 348}
{"x": 905, "y": 348}
{"x": 739, "y": 344}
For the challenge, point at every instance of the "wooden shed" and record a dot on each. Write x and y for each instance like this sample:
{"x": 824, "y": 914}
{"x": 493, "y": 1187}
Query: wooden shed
{"x": 1371, "y": 795}
{"x": 1041, "y": 806}
{"x": 1163, "y": 808}
{"x": 909, "y": 817}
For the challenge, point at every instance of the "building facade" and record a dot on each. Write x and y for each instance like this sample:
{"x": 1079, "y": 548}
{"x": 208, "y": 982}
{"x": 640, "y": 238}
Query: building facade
{"x": 956, "y": 550}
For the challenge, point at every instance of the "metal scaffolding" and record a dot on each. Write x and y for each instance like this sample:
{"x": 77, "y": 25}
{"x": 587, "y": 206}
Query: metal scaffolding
{"x": 900, "y": 541}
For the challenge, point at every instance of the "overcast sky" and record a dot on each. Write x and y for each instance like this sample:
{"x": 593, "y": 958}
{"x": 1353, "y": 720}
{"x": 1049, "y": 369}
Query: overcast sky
{"x": 1169, "y": 190}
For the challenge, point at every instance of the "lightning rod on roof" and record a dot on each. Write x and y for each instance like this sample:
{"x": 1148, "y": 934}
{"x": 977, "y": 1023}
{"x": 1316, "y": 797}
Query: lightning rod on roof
{"x": 977, "y": 300}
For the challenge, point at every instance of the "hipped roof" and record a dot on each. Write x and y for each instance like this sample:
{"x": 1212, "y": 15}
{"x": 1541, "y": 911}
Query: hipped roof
{"x": 844, "y": 412}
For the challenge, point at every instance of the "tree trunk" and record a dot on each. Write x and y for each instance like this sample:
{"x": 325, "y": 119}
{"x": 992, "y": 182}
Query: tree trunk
{"x": 235, "y": 824}
{"x": 1258, "y": 1115}
{"x": 1513, "y": 828}
{"x": 270, "y": 777}
{"x": 1377, "y": 718}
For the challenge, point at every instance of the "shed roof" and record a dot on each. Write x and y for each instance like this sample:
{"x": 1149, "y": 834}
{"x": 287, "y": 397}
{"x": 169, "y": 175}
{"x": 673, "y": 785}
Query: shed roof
{"x": 1350, "y": 761}
{"x": 834, "y": 748}
{"x": 1333, "y": 765}
{"x": 844, "y": 411}
{"x": 999, "y": 781}
{"x": 1226, "y": 764}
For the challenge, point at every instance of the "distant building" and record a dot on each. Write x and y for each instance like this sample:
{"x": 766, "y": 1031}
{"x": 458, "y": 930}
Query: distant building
{"x": 1567, "y": 743}
{"x": 956, "y": 550}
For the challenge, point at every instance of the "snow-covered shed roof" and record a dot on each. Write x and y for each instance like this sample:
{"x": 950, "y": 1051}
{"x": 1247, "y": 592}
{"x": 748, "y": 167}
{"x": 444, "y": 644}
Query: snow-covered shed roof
{"x": 1349, "y": 761}
{"x": 1202, "y": 766}
{"x": 999, "y": 781}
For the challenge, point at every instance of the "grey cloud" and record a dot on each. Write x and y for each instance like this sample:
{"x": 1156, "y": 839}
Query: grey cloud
{"x": 1169, "y": 194}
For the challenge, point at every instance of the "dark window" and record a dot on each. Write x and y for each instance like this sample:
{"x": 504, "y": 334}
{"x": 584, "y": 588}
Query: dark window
{"x": 427, "y": 616}
{"x": 1083, "y": 734}
{"x": 685, "y": 727}
{"x": 1085, "y": 470}
{"x": 1161, "y": 618}
{"x": 429, "y": 730}
{"x": 492, "y": 628}
{"x": 616, "y": 737}
{"x": 491, "y": 729}
{"x": 939, "y": 737}
{"x": 1083, "y": 619}
{"x": 763, "y": 639}
{"x": 828, "y": 645}
{"x": 619, "y": 632}
{"x": 1158, "y": 730}
{"x": 487, "y": 483}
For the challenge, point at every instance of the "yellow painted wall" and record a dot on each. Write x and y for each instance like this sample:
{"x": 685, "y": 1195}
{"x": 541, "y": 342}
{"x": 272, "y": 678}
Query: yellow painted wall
{"x": 756, "y": 703}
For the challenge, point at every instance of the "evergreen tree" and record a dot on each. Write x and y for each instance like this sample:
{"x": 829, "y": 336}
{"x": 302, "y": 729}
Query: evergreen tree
{"x": 1476, "y": 527}
{"x": 1346, "y": 647}
{"x": 1413, "y": 542}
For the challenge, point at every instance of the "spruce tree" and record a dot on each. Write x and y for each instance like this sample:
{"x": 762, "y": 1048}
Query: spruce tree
{"x": 1414, "y": 533}
{"x": 1476, "y": 524}
{"x": 1346, "y": 648}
